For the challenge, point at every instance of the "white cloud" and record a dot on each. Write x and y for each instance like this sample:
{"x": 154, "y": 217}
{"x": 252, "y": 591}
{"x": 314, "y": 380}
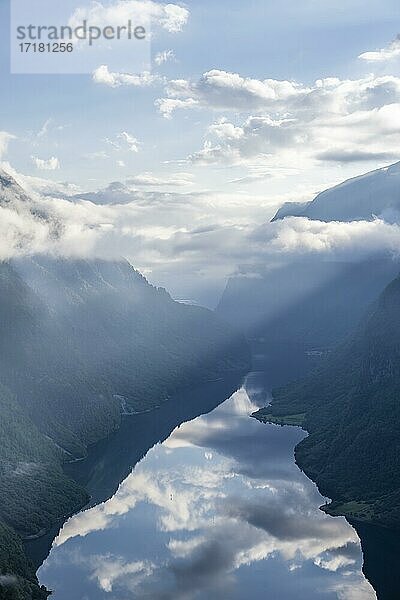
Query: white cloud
{"x": 164, "y": 56}
{"x": 170, "y": 17}
{"x": 151, "y": 180}
{"x": 331, "y": 121}
{"x": 104, "y": 76}
{"x": 174, "y": 17}
{"x": 167, "y": 106}
{"x": 38, "y": 186}
{"x": 224, "y": 91}
{"x": 359, "y": 239}
{"x": 130, "y": 141}
{"x": 51, "y": 164}
{"x": 124, "y": 141}
{"x": 180, "y": 239}
{"x": 5, "y": 138}
{"x": 45, "y": 128}
{"x": 384, "y": 54}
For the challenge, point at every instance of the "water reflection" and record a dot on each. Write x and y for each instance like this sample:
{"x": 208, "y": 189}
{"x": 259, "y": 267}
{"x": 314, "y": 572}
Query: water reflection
{"x": 218, "y": 510}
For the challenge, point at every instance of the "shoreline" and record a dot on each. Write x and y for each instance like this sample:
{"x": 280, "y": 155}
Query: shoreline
{"x": 358, "y": 511}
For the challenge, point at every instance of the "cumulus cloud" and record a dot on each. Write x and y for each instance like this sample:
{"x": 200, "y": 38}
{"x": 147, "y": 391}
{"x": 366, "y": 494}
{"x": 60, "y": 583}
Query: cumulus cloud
{"x": 223, "y": 90}
{"x": 51, "y": 164}
{"x": 333, "y": 120}
{"x": 299, "y": 235}
{"x": 170, "y": 17}
{"x": 167, "y": 106}
{"x": 104, "y": 76}
{"x": 384, "y": 54}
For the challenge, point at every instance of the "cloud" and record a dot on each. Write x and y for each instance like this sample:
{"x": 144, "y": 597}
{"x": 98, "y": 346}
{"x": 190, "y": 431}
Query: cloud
{"x": 224, "y": 91}
{"x": 332, "y": 121}
{"x": 170, "y": 17}
{"x": 173, "y": 17}
{"x": 45, "y": 128}
{"x": 359, "y": 239}
{"x": 130, "y": 141}
{"x": 39, "y": 186}
{"x": 164, "y": 57}
{"x": 108, "y": 570}
{"x": 51, "y": 164}
{"x": 384, "y": 54}
{"x": 259, "y": 510}
{"x": 177, "y": 238}
{"x": 122, "y": 142}
{"x": 347, "y": 156}
{"x": 151, "y": 180}
{"x": 48, "y": 127}
{"x": 167, "y": 106}
{"x": 104, "y": 76}
{"x": 5, "y": 138}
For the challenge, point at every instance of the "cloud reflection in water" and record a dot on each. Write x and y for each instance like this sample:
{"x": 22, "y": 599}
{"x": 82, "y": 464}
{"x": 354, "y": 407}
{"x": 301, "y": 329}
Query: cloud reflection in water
{"x": 219, "y": 510}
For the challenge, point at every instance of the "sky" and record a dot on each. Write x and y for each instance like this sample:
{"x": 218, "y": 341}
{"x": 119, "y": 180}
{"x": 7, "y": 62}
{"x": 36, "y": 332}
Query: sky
{"x": 247, "y": 105}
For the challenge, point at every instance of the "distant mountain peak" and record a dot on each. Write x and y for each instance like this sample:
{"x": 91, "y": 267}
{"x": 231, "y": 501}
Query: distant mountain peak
{"x": 10, "y": 191}
{"x": 376, "y": 193}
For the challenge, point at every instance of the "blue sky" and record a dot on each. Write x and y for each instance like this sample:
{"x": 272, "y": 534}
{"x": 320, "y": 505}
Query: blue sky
{"x": 258, "y": 103}
{"x": 286, "y": 40}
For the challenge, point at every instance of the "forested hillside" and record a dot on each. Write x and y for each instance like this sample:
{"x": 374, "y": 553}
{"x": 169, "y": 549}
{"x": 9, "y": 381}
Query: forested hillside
{"x": 306, "y": 305}
{"x": 82, "y": 343}
{"x": 351, "y": 409}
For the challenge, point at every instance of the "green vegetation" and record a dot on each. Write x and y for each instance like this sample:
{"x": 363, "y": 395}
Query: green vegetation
{"x": 80, "y": 342}
{"x": 360, "y": 511}
{"x": 265, "y": 416}
{"x": 17, "y": 580}
{"x": 352, "y": 413}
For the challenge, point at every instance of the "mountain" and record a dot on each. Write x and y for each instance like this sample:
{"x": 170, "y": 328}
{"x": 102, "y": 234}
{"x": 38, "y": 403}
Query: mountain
{"x": 83, "y": 342}
{"x": 117, "y": 344}
{"x": 114, "y": 193}
{"x": 375, "y": 194}
{"x": 11, "y": 194}
{"x": 298, "y": 312}
{"x": 351, "y": 409}
{"x": 308, "y": 305}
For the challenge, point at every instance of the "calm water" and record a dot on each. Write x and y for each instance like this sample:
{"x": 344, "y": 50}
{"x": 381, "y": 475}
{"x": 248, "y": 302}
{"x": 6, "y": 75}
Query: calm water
{"x": 217, "y": 510}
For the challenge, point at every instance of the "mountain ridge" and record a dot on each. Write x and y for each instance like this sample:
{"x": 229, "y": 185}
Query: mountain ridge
{"x": 364, "y": 197}
{"x": 350, "y": 409}
{"x": 81, "y": 343}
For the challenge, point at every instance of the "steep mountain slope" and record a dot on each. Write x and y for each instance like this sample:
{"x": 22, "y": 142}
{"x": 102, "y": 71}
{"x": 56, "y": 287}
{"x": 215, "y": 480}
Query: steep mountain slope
{"x": 351, "y": 409}
{"x": 117, "y": 344}
{"x": 310, "y": 303}
{"x": 304, "y": 309}
{"x": 374, "y": 194}
{"x": 82, "y": 343}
